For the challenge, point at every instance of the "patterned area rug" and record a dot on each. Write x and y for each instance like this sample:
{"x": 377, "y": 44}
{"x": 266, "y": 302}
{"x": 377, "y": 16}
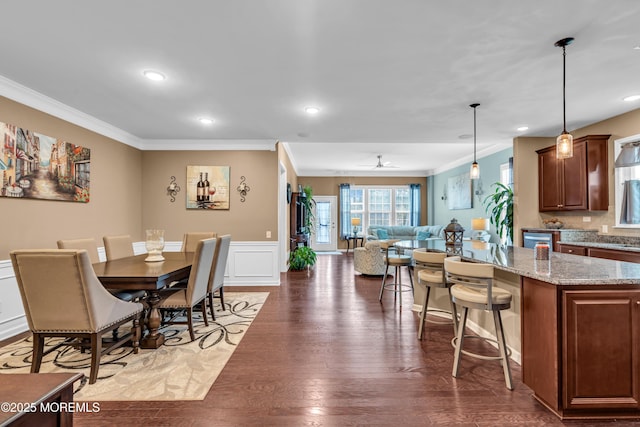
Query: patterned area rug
{"x": 179, "y": 370}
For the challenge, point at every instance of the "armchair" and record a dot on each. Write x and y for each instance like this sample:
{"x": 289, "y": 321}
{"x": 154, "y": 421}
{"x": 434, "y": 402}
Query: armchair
{"x": 369, "y": 259}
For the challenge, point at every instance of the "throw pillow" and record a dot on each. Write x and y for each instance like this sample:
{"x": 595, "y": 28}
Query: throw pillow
{"x": 423, "y": 235}
{"x": 382, "y": 234}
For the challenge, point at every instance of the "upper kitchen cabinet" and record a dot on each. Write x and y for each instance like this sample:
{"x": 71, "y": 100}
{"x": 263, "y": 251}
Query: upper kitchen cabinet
{"x": 577, "y": 183}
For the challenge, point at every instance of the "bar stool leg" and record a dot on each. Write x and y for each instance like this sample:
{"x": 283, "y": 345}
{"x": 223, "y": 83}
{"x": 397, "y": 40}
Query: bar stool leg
{"x": 459, "y": 341}
{"x": 397, "y": 285}
{"x": 454, "y": 313}
{"x": 502, "y": 346}
{"x": 423, "y": 313}
{"x": 384, "y": 280}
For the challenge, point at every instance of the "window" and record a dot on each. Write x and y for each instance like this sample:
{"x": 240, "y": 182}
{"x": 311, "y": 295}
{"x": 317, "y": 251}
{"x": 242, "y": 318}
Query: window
{"x": 380, "y": 205}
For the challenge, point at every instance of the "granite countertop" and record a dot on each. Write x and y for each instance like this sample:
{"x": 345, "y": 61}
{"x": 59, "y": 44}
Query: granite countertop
{"x": 560, "y": 269}
{"x": 616, "y": 246}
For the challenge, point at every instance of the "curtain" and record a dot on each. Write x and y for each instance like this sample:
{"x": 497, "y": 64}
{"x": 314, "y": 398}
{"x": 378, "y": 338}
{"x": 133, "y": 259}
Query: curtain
{"x": 345, "y": 210}
{"x": 630, "y": 209}
{"x": 414, "y": 204}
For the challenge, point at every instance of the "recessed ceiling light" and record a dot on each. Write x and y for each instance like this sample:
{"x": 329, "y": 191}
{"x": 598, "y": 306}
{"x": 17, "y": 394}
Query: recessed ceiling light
{"x": 631, "y": 98}
{"x": 312, "y": 110}
{"x": 205, "y": 121}
{"x": 154, "y": 75}
{"x": 523, "y": 128}
{"x": 636, "y": 47}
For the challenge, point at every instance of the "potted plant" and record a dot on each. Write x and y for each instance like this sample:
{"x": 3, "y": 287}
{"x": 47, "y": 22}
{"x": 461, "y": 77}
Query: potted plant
{"x": 499, "y": 206}
{"x": 302, "y": 257}
{"x": 308, "y": 202}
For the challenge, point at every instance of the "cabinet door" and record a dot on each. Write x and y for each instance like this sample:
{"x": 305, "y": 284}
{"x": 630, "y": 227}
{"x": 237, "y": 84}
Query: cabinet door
{"x": 574, "y": 179}
{"x": 549, "y": 181}
{"x": 616, "y": 255}
{"x": 570, "y": 249}
{"x": 600, "y": 357}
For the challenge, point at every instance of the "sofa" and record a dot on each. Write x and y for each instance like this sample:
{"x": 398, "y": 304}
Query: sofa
{"x": 405, "y": 232}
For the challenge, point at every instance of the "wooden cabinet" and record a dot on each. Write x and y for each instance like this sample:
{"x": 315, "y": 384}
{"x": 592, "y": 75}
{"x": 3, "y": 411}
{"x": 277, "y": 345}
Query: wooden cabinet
{"x": 601, "y": 350}
{"x": 297, "y": 219}
{"x": 581, "y": 348}
{"x": 617, "y": 255}
{"x": 576, "y": 183}
{"x": 570, "y": 249}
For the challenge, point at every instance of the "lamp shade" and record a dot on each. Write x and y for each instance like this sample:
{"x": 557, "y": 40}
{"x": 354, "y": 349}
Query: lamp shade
{"x": 480, "y": 224}
{"x": 355, "y": 221}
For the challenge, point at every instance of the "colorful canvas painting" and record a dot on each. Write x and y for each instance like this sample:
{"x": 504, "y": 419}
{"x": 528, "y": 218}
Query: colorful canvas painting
{"x": 208, "y": 187}
{"x": 38, "y": 166}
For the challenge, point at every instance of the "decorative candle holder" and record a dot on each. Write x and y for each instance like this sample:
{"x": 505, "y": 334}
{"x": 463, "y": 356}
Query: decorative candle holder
{"x": 155, "y": 245}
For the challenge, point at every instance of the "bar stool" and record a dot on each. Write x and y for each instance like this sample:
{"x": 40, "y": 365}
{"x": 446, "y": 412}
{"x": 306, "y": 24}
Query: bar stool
{"x": 392, "y": 258}
{"x": 429, "y": 271}
{"x": 472, "y": 287}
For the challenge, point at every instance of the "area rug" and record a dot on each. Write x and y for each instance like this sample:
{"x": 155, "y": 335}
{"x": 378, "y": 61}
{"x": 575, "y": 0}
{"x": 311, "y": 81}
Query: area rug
{"x": 181, "y": 369}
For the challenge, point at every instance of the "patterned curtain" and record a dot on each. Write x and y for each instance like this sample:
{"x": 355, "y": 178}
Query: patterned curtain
{"x": 345, "y": 210}
{"x": 414, "y": 204}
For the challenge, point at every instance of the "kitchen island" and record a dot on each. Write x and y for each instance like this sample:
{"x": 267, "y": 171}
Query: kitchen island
{"x": 579, "y": 324}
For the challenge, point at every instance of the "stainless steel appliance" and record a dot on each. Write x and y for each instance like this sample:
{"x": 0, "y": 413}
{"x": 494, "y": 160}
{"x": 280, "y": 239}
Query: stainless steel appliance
{"x": 530, "y": 239}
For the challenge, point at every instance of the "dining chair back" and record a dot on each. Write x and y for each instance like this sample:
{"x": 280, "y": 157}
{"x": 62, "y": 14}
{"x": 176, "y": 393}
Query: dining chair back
{"x": 88, "y": 244}
{"x": 117, "y": 247}
{"x": 191, "y": 239}
{"x": 62, "y": 297}
{"x": 216, "y": 282}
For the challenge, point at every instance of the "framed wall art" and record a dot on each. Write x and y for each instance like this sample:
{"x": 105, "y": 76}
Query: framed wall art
{"x": 37, "y": 166}
{"x": 459, "y": 192}
{"x": 208, "y": 187}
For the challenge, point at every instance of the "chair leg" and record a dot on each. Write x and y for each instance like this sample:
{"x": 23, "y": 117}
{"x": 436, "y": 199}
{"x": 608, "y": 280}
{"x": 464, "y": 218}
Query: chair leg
{"x": 397, "y": 285}
{"x": 96, "y": 352}
{"x": 213, "y": 313}
{"x": 38, "y": 348}
{"x": 502, "y": 346}
{"x": 454, "y": 313}
{"x": 136, "y": 334}
{"x": 410, "y": 276}
{"x": 423, "y": 313}
{"x": 190, "y": 322}
{"x": 222, "y": 297}
{"x": 204, "y": 312}
{"x": 459, "y": 342}
{"x": 384, "y": 280}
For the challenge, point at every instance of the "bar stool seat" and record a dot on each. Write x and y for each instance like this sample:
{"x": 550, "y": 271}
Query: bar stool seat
{"x": 397, "y": 260}
{"x": 472, "y": 288}
{"x": 429, "y": 271}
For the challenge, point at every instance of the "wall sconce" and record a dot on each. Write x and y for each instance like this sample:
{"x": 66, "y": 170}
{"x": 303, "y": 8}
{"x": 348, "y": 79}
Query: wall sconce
{"x": 479, "y": 191}
{"x": 444, "y": 194}
{"x": 173, "y": 189}
{"x": 243, "y": 188}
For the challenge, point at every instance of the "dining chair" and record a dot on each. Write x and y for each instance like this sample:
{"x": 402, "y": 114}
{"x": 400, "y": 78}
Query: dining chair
{"x": 216, "y": 281}
{"x": 62, "y": 297}
{"x": 117, "y": 247}
{"x": 191, "y": 239}
{"x": 185, "y": 299}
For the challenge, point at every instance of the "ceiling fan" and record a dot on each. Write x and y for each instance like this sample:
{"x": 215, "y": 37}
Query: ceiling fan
{"x": 381, "y": 164}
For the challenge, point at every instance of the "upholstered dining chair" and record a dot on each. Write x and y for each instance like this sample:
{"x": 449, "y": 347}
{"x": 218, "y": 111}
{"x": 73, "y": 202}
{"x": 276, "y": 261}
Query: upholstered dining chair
{"x": 216, "y": 281}
{"x": 91, "y": 247}
{"x": 62, "y": 297}
{"x": 117, "y": 247}
{"x": 185, "y": 299}
{"x": 191, "y": 239}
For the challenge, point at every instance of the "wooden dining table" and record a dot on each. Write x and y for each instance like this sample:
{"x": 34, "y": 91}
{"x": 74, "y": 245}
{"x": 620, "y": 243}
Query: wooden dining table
{"x": 134, "y": 273}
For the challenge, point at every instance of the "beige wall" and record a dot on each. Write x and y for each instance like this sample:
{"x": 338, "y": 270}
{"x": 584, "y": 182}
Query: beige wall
{"x": 245, "y": 221}
{"x": 292, "y": 178}
{"x": 526, "y": 178}
{"x": 329, "y": 186}
{"x": 115, "y": 206}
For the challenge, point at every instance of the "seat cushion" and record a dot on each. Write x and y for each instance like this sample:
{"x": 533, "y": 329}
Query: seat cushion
{"x": 398, "y": 260}
{"x": 430, "y": 276}
{"x": 479, "y": 295}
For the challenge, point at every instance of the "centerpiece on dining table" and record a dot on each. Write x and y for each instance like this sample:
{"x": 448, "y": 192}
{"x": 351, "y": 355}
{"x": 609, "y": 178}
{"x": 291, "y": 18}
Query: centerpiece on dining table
{"x": 155, "y": 245}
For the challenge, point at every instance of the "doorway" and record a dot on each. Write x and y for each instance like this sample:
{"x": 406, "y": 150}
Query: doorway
{"x": 325, "y": 238}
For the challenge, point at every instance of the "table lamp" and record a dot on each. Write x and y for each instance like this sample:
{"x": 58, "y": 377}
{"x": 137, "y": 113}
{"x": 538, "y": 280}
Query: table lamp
{"x": 355, "y": 222}
{"x": 480, "y": 226}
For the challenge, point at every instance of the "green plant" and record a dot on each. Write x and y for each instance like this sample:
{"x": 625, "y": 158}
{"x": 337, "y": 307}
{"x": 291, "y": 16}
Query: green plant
{"x": 308, "y": 203}
{"x": 499, "y": 206}
{"x": 301, "y": 258}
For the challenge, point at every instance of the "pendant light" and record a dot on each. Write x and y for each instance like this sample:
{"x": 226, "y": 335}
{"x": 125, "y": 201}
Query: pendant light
{"x": 564, "y": 142}
{"x": 474, "y": 173}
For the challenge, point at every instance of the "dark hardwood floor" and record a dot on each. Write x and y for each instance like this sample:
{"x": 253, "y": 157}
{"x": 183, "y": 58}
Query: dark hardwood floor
{"x": 324, "y": 352}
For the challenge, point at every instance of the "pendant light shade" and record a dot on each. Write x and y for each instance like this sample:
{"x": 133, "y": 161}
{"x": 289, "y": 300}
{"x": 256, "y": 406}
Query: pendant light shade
{"x": 564, "y": 142}
{"x": 474, "y": 172}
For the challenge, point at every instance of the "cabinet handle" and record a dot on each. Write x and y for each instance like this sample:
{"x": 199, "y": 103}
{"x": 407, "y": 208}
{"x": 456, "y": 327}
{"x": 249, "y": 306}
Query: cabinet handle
{"x": 561, "y": 206}
{"x": 571, "y": 251}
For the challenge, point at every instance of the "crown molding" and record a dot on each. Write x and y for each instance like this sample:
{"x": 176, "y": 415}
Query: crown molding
{"x": 208, "y": 144}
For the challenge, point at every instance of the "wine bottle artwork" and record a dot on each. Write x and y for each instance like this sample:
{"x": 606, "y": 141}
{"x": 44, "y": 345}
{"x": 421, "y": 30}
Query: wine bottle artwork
{"x": 200, "y": 189}
{"x": 208, "y": 187}
{"x": 206, "y": 197}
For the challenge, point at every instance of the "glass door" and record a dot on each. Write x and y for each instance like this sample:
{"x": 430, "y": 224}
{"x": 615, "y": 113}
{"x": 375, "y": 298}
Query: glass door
{"x": 324, "y": 236}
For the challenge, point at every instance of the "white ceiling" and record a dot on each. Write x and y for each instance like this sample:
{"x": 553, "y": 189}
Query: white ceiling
{"x": 390, "y": 77}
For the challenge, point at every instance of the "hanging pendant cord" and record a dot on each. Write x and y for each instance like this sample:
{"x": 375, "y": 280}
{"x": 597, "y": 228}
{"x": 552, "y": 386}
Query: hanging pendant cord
{"x": 564, "y": 80}
{"x": 474, "y": 134}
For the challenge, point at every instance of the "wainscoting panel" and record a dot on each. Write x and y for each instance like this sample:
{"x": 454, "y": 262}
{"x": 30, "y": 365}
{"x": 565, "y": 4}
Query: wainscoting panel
{"x": 12, "y": 318}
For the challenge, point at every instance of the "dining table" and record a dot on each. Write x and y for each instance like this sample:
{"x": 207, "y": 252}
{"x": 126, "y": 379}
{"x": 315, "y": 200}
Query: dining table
{"x": 134, "y": 273}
